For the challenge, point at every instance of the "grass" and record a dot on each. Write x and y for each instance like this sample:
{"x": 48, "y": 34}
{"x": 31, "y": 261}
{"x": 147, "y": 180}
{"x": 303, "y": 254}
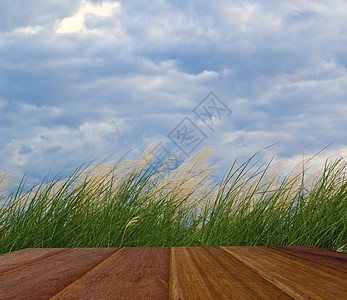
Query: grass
{"x": 131, "y": 204}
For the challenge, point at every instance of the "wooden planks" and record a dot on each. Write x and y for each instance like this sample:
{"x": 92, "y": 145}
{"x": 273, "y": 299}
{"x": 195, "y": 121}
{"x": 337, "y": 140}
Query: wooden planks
{"x": 295, "y": 272}
{"x": 211, "y": 273}
{"x": 137, "y": 273}
{"x": 20, "y": 258}
{"x": 325, "y": 257}
{"x": 300, "y": 278}
{"x": 47, "y": 277}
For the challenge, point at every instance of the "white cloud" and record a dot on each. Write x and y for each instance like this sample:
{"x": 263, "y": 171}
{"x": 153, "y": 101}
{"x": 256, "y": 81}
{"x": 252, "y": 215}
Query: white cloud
{"x": 76, "y": 22}
{"x": 279, "y": 66}
{"x": 313, "y": 162}
{"x": 29, "y": 29}
{"x": 91, "y": 137}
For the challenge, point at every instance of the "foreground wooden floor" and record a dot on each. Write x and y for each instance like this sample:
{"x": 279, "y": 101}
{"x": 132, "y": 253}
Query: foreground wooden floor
{"x": 297, "y": 272}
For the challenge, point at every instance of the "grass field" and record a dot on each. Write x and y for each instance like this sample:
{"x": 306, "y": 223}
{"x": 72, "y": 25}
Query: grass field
{"x": 131, "y": 204}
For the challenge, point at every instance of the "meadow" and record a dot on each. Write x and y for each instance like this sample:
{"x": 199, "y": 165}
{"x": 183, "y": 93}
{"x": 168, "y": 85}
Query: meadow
{"x": 130, "y": 203}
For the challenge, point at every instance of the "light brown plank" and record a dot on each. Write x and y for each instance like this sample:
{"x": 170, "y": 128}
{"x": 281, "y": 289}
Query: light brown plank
{"x": 132, "y": 273}
{"x": 17, "y": 259}
{"x": 300, "y": 278}
{"x": 212, "y": 273}
{"x": 45, "y": 278}
{"x": 325, "y": 257}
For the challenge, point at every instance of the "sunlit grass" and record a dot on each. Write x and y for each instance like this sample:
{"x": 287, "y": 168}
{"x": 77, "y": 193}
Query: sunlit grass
{"x": 131, "y": 204}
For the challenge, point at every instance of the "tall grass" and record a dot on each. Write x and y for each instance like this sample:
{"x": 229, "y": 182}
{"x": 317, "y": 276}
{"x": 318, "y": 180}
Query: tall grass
{"x": 132, "y": 204}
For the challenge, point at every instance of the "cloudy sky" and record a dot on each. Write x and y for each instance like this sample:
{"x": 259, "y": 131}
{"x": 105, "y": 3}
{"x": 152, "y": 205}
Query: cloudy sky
{"x": 81, "y": 80}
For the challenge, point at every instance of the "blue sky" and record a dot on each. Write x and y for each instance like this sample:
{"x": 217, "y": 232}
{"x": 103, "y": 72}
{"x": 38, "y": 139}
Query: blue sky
{"x": 81, "y": 80}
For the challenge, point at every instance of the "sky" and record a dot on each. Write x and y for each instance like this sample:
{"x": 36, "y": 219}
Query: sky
{"x": 83, "y": 80}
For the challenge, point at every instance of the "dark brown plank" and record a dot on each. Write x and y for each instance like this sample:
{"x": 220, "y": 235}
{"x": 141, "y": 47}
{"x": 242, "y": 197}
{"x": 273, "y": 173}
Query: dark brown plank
{"x": 17, "y": 259}
{"x": 298, "y": 277}
{"x": 47, "y": 277}
{"x": 325, "y": 257}
{"x": 132, "y": 273}
{"x": 212, "y": 273}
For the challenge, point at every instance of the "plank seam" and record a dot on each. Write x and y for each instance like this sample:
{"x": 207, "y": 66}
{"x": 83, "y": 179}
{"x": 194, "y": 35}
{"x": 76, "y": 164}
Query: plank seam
{"x": 26, "y": 265}
{"x": 171, "y": 276}
{"x": 273, "y": 282}
{"x": 85, "y": 274}
{"x": 328, "y": 268}
{"x": 308, "y": 259}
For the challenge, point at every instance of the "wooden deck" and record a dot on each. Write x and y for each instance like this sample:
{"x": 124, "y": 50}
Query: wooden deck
{"x": 297, "y": 272}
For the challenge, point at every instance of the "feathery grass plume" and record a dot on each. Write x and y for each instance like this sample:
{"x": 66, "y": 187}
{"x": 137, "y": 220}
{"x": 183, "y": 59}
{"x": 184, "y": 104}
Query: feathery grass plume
{"x": 94, "y": 172}
{"x": 267, "y": 185}
{"x": 157, "y": 180}
{"x": 125, "y": 170}
{"x": 94, "y": 181}
{"x": 187, "y": 180}
{"x": 170, "y": 162}
{"x": 340, "y": 249}
{"x": 144, "y": 159}
{"x": 129, "y": 204}
{"x": 4, "y": 182}
{"x": 7, "y": 182}
{"x": 98, "y": 177}
{"x": 298, "y": 173}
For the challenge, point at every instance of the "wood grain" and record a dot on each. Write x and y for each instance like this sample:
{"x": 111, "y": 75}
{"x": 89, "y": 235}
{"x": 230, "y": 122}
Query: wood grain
{"x": 45, "y": 278}
{"x": 132, "y": 273}
{"x": 325, "y": 257}
{"x": 300, "y": 278}
{"x": 20, "y": 258}
{"x": 278, "y": 272}
{"x": 211, "y": 273}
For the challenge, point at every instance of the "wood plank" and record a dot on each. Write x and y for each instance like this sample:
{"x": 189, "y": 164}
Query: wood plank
{"x": 132, "y": 273}
{"x": 300, "y": 278}
{"x": 17, "y": 259}
{"x": 325, "y": 257}
{"x": 212, "y": 273}
{"x": 45, "y": 278}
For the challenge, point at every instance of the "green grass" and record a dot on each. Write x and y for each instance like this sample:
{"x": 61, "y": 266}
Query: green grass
{"x": 128, "y": 204}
